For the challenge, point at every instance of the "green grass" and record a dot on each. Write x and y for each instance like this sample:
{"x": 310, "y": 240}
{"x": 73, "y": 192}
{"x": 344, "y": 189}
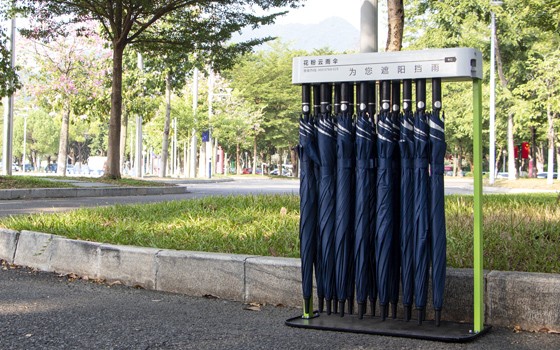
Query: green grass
{"x": 15, "y": 182}
{"x": 521, "y": 232}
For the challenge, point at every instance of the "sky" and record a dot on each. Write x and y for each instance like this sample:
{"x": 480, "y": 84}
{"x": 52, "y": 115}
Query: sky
{"x": 315, "y": 11}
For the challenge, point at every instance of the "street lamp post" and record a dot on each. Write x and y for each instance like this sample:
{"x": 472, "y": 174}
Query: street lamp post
{"x": 492, "y": 140}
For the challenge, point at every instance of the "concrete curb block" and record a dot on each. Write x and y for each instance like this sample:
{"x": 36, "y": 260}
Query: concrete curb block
{"x": 36, "y": 193}
{"x": 528, "y": 300}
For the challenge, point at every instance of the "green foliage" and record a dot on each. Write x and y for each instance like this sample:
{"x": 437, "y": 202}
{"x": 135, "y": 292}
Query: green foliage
{"x": 263, "y": 79}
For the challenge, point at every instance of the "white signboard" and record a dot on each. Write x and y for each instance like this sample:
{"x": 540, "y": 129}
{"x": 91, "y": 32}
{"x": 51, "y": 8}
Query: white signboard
{"x": 447, "y": 64}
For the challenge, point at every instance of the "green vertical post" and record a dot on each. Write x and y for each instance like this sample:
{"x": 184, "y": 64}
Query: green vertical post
{"x": 478, "y": 234}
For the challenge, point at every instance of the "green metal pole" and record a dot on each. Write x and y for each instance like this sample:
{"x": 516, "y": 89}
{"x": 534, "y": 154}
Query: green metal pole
{"x": 478, "y": 234}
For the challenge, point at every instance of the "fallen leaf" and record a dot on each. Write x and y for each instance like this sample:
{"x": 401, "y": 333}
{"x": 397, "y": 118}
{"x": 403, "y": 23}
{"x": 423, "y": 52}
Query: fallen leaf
{"x": 283, "y": 211}
{"x": 517, "y": 329}
{"x": 253, "y": 307}
{"x": 115, "y": 283}
{"x": 28, "y": 335}
{"x": 85, "y": 278}
{"x": 544, "y": 330}
{"x": 209, "y": 296}
{"x": 272, "y": 251}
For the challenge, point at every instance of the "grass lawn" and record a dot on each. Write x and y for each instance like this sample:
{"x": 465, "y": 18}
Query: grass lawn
{"x": 15, "y": 182}
{"x": 521, "y": 232}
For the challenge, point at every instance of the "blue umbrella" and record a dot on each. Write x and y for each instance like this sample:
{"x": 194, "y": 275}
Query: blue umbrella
{"x": 395, "y": 265}
{"x": 406, "y": 143}
{"x": 372, "y": 280}
{"x": 437, "y": 200}
{"x": 362, "y": 235}
{"x": 308, "y": 202}
{"x": 421, "y": 201}
{"x": 344, "y": 198}
{"x": 318, "y": 263}
{"x": 326, "y": 141}
{"x": 384, "y": 207}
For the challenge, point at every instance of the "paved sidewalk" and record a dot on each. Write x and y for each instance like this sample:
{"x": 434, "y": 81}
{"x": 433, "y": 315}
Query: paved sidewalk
{"x": 46, "y": 311}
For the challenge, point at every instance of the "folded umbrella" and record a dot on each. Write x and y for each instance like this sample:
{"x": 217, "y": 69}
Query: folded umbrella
{"x": 437, "y": 200}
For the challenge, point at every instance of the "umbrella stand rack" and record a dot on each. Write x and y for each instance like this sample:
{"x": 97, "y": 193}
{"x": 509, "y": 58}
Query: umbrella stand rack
{"x": 372, "y": 218}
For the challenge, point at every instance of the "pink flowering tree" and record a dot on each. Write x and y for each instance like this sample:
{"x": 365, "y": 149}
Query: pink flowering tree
{"x": 72, "y": 81}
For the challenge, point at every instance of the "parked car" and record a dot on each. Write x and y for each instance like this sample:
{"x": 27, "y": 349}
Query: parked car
{"x": 285, "y": 172}
{"x": 250, "y": 171}
{"x": 544, "y": 175}
{"x": 502, "y": 175}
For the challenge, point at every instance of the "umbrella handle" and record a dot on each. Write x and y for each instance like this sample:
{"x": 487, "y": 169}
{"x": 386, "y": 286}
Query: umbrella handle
{"x": 371, "y": 99}
{"x": 385, "y": 95}
{"x": 305, "y": 99}
{"x": 345, "y": 97}
{"x": 316, "y": 100}
{"x": 337, "y": 98}
{"x": 363, "y": 101}
{"x": 407, "y": 95}
{"x": 436, "y": 94}
{"x": 326, "y": 98}
{"x": 396, "y": 95}
{"x": 421, "y": 95}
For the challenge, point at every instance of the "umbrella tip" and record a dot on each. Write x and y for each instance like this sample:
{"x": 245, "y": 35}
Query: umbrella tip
{"x": 350, "y": 306}
{"x": 341, "y": 306}
{"x": 420, "y": 316}
{"x": 438, "y": 318}
{"x": 321, "y": 305}
{"x": 384, "y": 312}
{"x": 394, "y": 309}
{"x": 372, "y": 306}
{"x": 307, "y": 312}
{"x": 407, "y": 313}
{"x": 329, "y": 307}
{"x": 361, "y": 310}
{"x": 335, "y": 307}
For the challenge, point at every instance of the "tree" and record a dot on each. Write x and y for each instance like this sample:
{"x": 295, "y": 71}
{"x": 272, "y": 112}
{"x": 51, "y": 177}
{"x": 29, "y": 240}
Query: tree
{"x": 193, "y": 25}
{"x": 9, "y": 80}
{"x": 395, "y": 11}
{"x": 263, "y": 79}
{"x": 70, "y": 81}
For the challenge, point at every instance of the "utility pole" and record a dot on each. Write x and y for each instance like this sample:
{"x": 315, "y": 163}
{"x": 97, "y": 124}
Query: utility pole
{"x": 9, "y": 111}
{"x": 192, "y": 170}
{"x": 139, "y": 157}
{"x": 369, "y": 36}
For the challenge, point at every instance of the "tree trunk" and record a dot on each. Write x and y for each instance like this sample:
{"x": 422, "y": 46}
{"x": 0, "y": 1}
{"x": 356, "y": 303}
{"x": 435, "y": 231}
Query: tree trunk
{"x": 237, "y": 156}
{"x": 63, "y": 143}
{"x": 113, "y": 161}
{"x": 122, "y": 145}
{"x": 165, "y": 141}
{"x": 395, "y": 10}
{"x": 551, "y": 143}
{"x": 255, "y": 155}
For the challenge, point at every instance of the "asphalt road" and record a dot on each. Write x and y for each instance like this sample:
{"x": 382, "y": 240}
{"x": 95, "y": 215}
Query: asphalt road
{"x": 45, "y": 311}
{"x": 195, "y": 190}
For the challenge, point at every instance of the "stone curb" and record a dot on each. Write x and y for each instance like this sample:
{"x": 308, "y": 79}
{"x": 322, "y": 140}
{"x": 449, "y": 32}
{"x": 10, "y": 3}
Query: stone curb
{"x": 528, "y": 300}
{"x": 36, "y": 193}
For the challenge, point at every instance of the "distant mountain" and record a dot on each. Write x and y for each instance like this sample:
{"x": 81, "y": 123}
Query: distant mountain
{"x": 334, "y": 33}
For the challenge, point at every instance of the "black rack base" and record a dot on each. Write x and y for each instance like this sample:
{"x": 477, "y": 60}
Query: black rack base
{"x": 449, "y": 332}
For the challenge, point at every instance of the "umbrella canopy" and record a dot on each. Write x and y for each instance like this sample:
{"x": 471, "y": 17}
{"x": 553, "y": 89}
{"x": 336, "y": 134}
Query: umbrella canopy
{"x": 372, "y": 280}
{"x": 318, "y": 262}
{"x": 406, "y": 144}
{"x": 421, "y": 201}
{"x": 395, "y": 265}
{"x": 384, "y": 205}
{"x": 362, "y": 235}
{"x": 344, "y": 197}
{"x": 437, "y": 200}
{"x": 326, "y": 140}
{"x": 308, "y": 202}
